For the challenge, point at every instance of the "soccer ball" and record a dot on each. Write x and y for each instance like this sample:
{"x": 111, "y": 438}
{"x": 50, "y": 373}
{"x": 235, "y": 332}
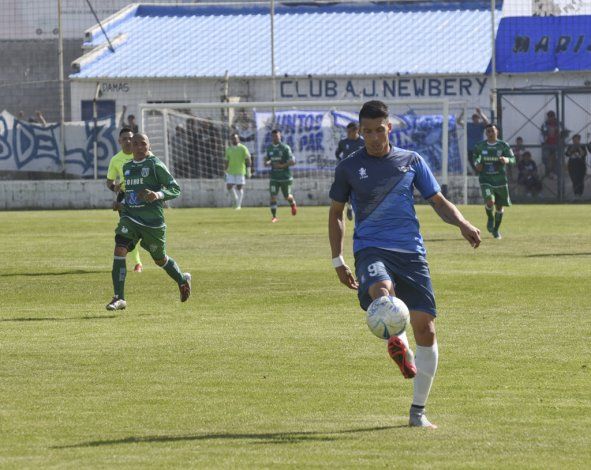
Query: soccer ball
{"x": 387, "y": 316}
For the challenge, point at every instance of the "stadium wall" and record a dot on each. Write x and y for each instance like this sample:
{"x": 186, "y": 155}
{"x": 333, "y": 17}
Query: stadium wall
{"x": 91, "y": 194}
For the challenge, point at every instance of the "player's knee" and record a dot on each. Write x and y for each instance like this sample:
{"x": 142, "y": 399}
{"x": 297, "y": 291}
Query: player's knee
{"x": 120, "y": 251}
{"x": 380, "y": 289}
{"x": 423, "y": 328}
{"x": 161, "y": 261}
{"x": 490, "y": 203}
{"x": 123, "y": 245}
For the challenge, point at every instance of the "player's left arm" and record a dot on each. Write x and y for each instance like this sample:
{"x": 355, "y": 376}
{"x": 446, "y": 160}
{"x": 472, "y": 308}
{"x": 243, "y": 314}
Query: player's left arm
{"x": 170, "y": 189}
{"x": 450, "y": 214}
{"x": 508, "y": 157}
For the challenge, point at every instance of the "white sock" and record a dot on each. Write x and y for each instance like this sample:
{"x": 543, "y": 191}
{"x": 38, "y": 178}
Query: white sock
{"x": 233, "y": 193}
{"x": 426, "y": 362}
{"x": 404, "y": 339}
{"x": 240, "y": 196}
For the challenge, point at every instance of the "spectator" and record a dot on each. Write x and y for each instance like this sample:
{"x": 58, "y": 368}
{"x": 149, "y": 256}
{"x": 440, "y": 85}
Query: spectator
{"x": 577, "y": 165}
{"x": 551, "y": 139}
{"x": 528, "y": 174}
{"x": 180, "y": 152}
{"x": 475, "y": 131}
{"x": 130, "y": 121}
{"x": 38, "y": 119}
{"x": 518, "y": 151}
{"x": 245, "y": 127}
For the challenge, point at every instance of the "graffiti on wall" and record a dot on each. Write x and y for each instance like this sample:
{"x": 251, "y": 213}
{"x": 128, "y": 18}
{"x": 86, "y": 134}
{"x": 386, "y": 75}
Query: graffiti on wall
{"x": 27, "y": 146}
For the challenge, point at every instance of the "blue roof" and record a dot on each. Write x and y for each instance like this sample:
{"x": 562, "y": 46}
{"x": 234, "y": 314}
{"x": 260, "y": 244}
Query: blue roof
{"x": 197, "y": 41}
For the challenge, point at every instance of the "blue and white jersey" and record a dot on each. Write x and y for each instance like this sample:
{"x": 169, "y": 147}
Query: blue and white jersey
{"x": 381, "y": 191}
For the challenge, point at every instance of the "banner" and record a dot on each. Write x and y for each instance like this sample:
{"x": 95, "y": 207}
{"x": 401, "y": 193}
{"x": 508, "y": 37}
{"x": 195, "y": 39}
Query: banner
{"x": 314, "y": 135}
{"x": 544, "y": 36}
{"x": 26, "y": 146}
{"x": 310, "y": 134}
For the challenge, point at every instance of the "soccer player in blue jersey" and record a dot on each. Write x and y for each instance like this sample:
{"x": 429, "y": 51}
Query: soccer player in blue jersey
{"x": 348, "y": 146}
{"x": 388, "y": 247}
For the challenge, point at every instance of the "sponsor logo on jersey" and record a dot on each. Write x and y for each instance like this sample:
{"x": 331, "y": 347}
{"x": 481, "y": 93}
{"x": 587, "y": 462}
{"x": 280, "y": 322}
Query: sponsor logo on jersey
{"x": 124, "y": 230}
{"x": 404, "y": 169}
{"x": 362, "y": 173}
{"x": 126, "y": 173}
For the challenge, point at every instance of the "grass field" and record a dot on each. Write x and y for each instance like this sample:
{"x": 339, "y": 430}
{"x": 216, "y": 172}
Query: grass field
{"x": 270, "y": 362}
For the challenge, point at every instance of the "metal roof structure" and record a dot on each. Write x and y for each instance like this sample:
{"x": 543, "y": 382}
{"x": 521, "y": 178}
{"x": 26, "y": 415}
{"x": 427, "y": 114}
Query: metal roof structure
{"x": 187, "y": 41}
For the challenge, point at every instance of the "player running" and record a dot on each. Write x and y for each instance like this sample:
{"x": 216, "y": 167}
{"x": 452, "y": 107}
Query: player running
{"x": 147, "y": 184}
{"x": 388, "y": 247}
{"x": 280, "y": 159}
{"x": 116, "y": 183}
{"x": 491, "y": 157}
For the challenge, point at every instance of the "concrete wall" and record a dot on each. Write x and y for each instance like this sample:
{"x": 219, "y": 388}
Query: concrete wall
{"x": 90, "y": 194}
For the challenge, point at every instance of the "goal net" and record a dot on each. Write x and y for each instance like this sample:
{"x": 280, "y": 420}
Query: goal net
{"x": 191, "y": 139}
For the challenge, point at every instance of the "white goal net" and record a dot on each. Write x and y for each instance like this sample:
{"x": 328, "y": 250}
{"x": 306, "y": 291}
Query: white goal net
{"x": 191, "y": 138}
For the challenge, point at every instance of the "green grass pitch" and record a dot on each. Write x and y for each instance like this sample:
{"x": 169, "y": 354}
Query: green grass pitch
{"x": 270, "y": 363}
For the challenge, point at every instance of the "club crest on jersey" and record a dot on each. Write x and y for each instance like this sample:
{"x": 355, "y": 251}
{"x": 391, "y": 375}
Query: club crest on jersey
{"x": 362, "y": 173}
{"x": 145, "y": 171}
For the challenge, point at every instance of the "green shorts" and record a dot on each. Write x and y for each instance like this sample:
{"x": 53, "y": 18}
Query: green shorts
{"x": 151, "y": 239}
{"x": 275, "y": 186}
{"x": 497, "y": 194}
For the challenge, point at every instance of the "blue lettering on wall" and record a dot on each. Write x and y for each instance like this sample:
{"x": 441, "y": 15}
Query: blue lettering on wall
{"x": 350, "y": 89}
{"x": 434, "y": 87}
{"x": 403, "y": 87}
{"x": 388, "y": 88}
{"x": 544, "y": 44}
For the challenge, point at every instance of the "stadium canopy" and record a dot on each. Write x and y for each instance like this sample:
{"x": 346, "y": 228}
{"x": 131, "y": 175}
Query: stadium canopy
{"x": 186, "y": 41}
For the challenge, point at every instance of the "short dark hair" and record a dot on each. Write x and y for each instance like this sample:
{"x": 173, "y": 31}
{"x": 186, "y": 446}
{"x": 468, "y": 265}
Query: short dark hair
{"x": 125, "y": 130}
{"x": 352, "y": 125}
{"x": 275, "y": 131}
{"x": 373, "y": 110}
{"x": 491, "y": 124}
{"x": 131, "y": 116}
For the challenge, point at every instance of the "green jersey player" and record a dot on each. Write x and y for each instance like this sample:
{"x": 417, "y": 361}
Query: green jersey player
{"x": 491, "y": 157}
{"x": 280, "y": 159}
{"x": 116, "y": 184}
{"x": 147, "y": 184}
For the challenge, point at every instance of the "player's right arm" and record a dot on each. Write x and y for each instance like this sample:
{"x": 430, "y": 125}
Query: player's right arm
{"x": 112, "y": 176}
{"x": 450, "y": 214}
{"x": 477, "y": 160}
{"x": 336, "y": 236}
{"x": 339, "y": 150}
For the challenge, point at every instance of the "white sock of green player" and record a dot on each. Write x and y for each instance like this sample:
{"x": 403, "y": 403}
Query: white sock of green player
{"x": 240, "y": 196}
{"x": 426, "y": 358}
{"x": 173, "y": 270}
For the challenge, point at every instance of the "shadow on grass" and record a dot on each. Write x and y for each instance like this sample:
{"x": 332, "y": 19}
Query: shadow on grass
{"x": 23, "y": 319}
{"x": 264, "y": 438}
{"x": 550, "y": 255}
{"x": 53, "y": 273}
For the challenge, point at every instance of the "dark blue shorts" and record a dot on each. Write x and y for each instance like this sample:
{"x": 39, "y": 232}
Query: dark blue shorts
{"x": 409, "y": 272}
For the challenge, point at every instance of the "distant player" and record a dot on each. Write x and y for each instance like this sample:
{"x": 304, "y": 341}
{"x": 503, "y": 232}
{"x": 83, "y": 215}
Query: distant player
{"x": 147, "y": 185}
{"x": 238, "y": 163}
{"x": 346, "y": 147}
{"x": 116, "y": 183}
{"x": 280, "y": 159}
{"x": 389, "y": 251}
{"x": 491, "y": 157}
